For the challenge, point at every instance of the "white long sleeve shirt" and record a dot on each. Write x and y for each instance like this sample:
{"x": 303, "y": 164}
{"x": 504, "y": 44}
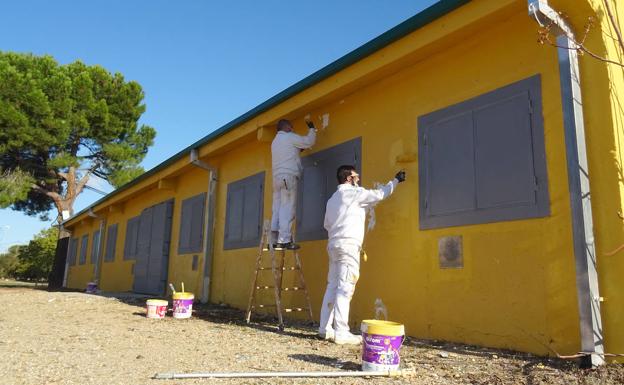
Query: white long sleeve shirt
{"x": 345, "y": 213}
{"x": 285, "y": 150}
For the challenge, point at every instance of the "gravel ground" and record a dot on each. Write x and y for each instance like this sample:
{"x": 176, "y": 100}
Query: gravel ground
{"x": 77, "y": 338}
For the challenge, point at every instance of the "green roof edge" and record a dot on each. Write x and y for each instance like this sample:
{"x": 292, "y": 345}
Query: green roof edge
{"x": 410, "y": 25}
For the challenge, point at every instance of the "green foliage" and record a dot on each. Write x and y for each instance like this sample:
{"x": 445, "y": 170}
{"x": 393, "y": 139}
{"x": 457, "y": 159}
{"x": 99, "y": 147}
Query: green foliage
{"x": 14, "y": 186}
{"x": 9, "y": 262}
{"x": 32, "y": 261}
{"x": 57, "y": 118}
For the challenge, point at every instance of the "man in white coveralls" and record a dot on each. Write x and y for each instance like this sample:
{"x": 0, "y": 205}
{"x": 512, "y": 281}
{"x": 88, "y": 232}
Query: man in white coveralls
{"x": 287, "y": 169}
{"x": 344, "y": 221}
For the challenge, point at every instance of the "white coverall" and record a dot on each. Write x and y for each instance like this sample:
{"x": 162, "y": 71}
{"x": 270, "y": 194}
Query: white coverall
{"x": 344, "y": 221}
{"x": 286, "y": 172}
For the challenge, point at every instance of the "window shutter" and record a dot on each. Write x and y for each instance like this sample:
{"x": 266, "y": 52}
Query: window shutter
{"x": 244, "y": 212}
{"x": 111, "y": 243}
{"x": 483, "y": 160}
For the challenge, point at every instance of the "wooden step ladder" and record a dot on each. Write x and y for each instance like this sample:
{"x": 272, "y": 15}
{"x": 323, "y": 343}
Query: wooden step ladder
{"x": 278, "y": 268}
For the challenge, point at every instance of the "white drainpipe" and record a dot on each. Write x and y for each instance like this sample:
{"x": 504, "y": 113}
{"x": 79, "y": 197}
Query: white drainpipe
{"x": 208, "y": 224}
{"x": 592, "y": 337}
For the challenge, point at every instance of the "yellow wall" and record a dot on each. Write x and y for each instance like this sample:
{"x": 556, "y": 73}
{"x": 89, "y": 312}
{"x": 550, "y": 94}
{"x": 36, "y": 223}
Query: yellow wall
{"x": 78, "y": 274}
{"x": 517, "y": 287}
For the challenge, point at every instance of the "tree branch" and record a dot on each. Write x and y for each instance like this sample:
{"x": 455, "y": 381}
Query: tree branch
{"x": 614, "y": 24}
{"x": 55, "y": 196}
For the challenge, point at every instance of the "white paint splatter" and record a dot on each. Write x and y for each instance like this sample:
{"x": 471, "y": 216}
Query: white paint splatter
{"x": 380, "y": 309}
{"x": 325, "y": 121}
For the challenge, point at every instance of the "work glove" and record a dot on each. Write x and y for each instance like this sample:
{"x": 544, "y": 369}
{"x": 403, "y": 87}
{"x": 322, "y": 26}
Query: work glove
{"x": 400, "y": 176}
{"x": 310, "y": 124}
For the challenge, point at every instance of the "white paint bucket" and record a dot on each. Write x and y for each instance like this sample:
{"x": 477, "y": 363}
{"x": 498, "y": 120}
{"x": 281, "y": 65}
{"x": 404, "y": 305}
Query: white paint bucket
{"x": 183, "y": 304}
{"x": 156, "y": 308}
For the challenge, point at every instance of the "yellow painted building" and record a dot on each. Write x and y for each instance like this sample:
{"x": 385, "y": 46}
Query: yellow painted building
{"x": 490, "y": 240}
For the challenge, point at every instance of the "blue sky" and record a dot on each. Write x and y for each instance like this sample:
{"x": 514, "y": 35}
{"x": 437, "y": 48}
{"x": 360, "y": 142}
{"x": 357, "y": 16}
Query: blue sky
{"x": 200, "y": 63}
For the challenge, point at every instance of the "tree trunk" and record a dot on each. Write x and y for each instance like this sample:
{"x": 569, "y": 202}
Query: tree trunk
{"x": 57, "y": 274}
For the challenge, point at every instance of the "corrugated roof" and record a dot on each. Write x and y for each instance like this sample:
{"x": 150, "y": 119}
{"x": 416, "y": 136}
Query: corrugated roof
{"x": 410, "y": 25}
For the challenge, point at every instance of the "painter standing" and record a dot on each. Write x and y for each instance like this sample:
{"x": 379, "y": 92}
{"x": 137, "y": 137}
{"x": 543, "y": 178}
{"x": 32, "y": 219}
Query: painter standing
{"x": 344, "y": 221}
{"x": 287, "y": 169}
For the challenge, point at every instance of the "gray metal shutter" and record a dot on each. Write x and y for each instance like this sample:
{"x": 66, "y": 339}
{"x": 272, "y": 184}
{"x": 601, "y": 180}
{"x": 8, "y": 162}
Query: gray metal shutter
{"x": 192, "y": 224}
{"x": 234, "y": 216}
{"x": 130, "y": 243}
{"x": 318, "y": 183}
{"x": 73, "y": 251}
{"x": 483, "y": 160}
{"x": 244, "y": 212}
{"x": 450, "y": 157}
{"x": 143, "y": 250}
{"x": 83, "y": 249}
{"x": 95, "y": 246}
{"x": 504, "y": 157}
{"x": 252, "y": 211}
{"x": 111, "y": 243}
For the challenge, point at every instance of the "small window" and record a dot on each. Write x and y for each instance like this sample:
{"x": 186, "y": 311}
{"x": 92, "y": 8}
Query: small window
{"x": 83, "y": 249}
{"x": 95, "y": 247}
{"x": 244, "y": 210}
{"x": 318, "y": 183}
{"x": 192, "y": 224}
{"x": 483, "y": 160}
{"x": 132, "y": 236}
{"x": 111, "y": 243}
{"x": 72, "y": 251}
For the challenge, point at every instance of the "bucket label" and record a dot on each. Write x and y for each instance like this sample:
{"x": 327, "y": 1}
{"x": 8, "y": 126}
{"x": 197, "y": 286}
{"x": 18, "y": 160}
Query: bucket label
{"x": 156, "y": 311}
{"x": 380, "y": 352}
{"x": 182, "y": 307}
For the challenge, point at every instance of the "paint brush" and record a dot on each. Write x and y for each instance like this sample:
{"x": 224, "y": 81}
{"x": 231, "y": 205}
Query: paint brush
{"x": 172, "y": 288}
{"x": 183, "y": 288}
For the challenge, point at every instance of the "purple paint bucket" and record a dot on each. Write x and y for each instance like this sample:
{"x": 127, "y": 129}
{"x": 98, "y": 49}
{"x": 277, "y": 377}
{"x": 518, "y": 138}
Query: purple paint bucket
{"x": 381, "y": 343}
{"x": 91, "y": 287}
{"x": 183, "y": 305}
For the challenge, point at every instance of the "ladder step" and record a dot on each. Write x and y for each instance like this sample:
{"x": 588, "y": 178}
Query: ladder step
{"x": 261, "y": 306}
{"x": 264, "y": 287}
{"x": 283, "y": 268}
{"x": 294, "y": 288}
{"x": 290, "y": 310}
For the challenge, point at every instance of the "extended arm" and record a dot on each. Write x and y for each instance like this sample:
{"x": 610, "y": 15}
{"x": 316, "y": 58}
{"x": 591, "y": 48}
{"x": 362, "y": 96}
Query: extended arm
{"x": 306, "y": 141}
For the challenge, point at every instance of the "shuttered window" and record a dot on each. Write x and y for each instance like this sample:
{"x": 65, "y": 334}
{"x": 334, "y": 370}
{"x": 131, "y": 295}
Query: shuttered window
{"x": 95, "y": 247}
{"x": 318, "y": 183}
{"x": 84, "y": 242}
{"x": 483, "y": 160}
{"x": 192, "y": 224}
{"x": 132, "y": 236}
{"x": 72, "y": 251}
{"x": 243, "y": 218}
{"x": 111, "y": 243}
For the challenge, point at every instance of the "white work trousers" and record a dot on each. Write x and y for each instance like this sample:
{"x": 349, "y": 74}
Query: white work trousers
{"x": 284, "y": 206}
{"x": 344, "y": 271}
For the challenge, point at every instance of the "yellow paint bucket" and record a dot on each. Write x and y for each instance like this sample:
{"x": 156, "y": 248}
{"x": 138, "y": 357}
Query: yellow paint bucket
{"x": 382, "y": 341}
{"x": 182, "y": 304}
{"x": 156, "y": 308}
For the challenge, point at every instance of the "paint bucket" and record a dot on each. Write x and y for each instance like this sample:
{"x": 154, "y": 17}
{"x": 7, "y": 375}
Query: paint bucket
{"x": 182, "y": 304}
{"x": 91, "y": 287}
{"x": 381, "y": 342}
{"x": 156, "y": 308}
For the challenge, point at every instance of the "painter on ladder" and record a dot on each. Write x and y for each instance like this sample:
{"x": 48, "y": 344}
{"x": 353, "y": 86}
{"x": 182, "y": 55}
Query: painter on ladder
{"x": 287, "y": 169}
{"x": 345, "y": 215}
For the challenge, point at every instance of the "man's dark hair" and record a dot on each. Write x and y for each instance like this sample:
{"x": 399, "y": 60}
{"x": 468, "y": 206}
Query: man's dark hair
{"x": 344, "y": 172}
{"x": 282, "y": 124}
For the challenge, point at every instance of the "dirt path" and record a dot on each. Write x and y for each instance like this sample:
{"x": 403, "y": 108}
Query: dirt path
{"x": 76, "y": 338}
